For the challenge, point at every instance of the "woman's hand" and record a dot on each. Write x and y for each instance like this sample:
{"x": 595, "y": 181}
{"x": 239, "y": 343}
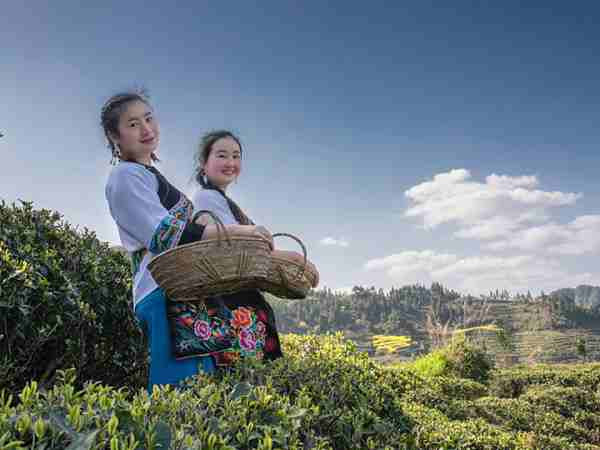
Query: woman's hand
{"x": 262, "y": 231}
{"x": 257, "y": 231}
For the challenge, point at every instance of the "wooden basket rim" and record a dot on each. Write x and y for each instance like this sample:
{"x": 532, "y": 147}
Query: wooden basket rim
{"x": 206, "y": 242}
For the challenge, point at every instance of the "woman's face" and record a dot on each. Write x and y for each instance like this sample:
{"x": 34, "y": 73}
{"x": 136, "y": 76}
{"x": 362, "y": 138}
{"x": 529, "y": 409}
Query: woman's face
{"x": 138, "y": 133}
{"x": 224, "y": 162}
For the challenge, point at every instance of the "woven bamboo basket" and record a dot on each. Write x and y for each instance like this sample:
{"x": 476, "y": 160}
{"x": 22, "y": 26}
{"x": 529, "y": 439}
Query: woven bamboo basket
{"x": 201, "y": 269}
{"x": 287, "y": 278}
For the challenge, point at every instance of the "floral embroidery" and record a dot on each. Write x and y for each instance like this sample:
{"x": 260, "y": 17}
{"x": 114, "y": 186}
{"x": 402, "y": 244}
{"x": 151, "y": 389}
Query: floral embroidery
{"x": 247, "y": 340}
{"x": 167, "y": 234}
{"x": 262, "y": 315}
{"x": 202, "y": 329}
{"x": 270, "y": 344}
{"x": 195, "y": 333}
{"x": 169, "y": 231}
{"x": 186, "y": 321}
{"x": 225, "y": 334}
{"x": 242, "y": 317}
{"x": 136, "y": 260}
{"x": 261, "y": 328}
{"x": 227, "y": 358}
{"x": 183, "y": 209}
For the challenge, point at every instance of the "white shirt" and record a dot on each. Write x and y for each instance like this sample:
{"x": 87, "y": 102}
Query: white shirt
{"x": 213, "y": 201}
{"x": 145, "y": 226}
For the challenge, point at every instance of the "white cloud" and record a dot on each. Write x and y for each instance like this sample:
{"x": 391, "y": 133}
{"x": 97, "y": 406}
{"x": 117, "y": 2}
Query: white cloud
{"x": 478, "y": 275}
{"x": 582, "y": 235}
{"x": 494, "y": 227}
{"x": 507, "y": 182}
{"x": 333, "y": 241}
{"x": 495, "y": 210}
{"x": 411, "y": 261}
{"x": 450, "y": 197}
{"x": 507, "y": 213}
{"x": 411, "y": 267}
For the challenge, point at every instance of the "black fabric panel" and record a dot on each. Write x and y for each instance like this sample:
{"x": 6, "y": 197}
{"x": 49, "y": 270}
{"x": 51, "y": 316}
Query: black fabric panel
{"x": 168, "y": 194}
{"x": 255, "y": 299}
{"x": 191, "y": 233}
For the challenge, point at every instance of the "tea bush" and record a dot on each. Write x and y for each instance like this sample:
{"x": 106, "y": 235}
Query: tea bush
{"x": 459, "y": 358}
{"x": 64, "y": 302}
{"x": 514, "y": 381}
{"x": 323, "y": 395}
{"x": 73, "y": 366}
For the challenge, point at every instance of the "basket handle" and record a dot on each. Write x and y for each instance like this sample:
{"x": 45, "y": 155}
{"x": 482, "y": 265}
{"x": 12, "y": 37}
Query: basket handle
{"x": 218, "y": 222}
{"x": 301, "y": 272}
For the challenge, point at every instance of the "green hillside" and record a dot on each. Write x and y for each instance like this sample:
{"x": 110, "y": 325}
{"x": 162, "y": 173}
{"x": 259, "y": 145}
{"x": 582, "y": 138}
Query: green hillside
{"x": 73, "y": 365}
{"x": 543, "y": 329}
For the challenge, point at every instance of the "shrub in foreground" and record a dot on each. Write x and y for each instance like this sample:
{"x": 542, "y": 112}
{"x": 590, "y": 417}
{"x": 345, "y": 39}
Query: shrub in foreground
{"x": 323, "y": 395}
{"x": 64, "y": 302}
{"x": 459, "y": 358}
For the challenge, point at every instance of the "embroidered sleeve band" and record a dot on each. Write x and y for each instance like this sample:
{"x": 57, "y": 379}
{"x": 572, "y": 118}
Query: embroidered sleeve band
{"x": 167, "y": 234}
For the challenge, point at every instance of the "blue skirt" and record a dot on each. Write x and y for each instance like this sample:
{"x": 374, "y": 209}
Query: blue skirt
{"x": 151, "y": 311}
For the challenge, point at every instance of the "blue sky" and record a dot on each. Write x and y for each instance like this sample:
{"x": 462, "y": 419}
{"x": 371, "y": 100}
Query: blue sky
{"x": 402, "y": 143}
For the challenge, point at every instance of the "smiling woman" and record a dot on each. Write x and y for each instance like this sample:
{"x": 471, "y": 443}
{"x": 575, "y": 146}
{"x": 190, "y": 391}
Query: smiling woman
{"x": 152, "y": 216}
{"x": 218, "y": 164}
{"x": 130, "y": 128}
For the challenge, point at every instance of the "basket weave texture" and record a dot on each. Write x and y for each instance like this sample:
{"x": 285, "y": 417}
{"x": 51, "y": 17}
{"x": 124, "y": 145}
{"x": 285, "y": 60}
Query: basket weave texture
{"x": 288, "y": 278}
{"x": 205, "y": 268}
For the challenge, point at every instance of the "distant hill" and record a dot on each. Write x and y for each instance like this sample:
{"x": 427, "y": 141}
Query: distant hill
{"x": 546, "y": 328}
{"x": 583, "y": 296}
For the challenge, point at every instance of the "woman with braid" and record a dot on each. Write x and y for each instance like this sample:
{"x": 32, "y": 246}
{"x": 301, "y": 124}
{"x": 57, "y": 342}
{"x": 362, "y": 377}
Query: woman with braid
{"x": 153, "y": 216}
{"x": 251, "y": 319}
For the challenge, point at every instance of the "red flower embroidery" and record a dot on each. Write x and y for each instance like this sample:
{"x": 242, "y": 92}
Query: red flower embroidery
{"x": 242, "y": 317}
{"x": 226, "y": 358}
{"x": 186, "y": 321}
{"x": 270, "y": 344}
{"x": 261, "y": 315}
{"x": 261, "y": 328}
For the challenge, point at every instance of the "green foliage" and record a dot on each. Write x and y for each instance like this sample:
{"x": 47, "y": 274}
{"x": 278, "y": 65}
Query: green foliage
{"x": 520, "y": 321}
{"x": 355, "y": 396}
{"x": 459, "y": 358}
{"x": 513, "y": 382}
{"x": 468, "y": 360}
{"x": 433, "y": 364}
{"x": 581, "y": 349}
{"x": 323, "y": 395}
{"x": 64, "y": 302}
{"x": 459, "y": 388}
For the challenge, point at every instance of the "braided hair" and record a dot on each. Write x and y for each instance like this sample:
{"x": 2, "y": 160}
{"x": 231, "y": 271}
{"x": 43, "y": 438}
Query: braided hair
{"x": 111, "y": 113}
{"x": 202, "y": 156}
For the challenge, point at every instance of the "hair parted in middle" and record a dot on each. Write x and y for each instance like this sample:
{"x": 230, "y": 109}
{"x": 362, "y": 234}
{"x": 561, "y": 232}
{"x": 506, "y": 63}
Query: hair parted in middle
{"x": 205, "y": 148}
{"x": 111, "y": 113}
{"x": 200, "y": 159}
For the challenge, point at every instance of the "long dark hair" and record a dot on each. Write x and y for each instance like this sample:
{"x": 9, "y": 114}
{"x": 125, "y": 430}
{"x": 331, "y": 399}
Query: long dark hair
{"x": 111, "y": 113}
{"x": 201, "y": 157}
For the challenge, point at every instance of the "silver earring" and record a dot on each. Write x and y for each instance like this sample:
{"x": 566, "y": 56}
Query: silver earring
{"x": 116, "y": 155}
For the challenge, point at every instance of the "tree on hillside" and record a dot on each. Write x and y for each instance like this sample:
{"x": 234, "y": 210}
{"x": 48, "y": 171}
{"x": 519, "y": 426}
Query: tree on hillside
{"x": 581, "y": 349}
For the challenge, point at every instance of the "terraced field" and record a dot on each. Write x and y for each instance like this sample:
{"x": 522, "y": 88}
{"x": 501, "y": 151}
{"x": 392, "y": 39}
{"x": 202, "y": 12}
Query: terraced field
{"x": 539, "y": 346}
{"x": 539, "y": 331}
{"x": 545, "y": 346}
